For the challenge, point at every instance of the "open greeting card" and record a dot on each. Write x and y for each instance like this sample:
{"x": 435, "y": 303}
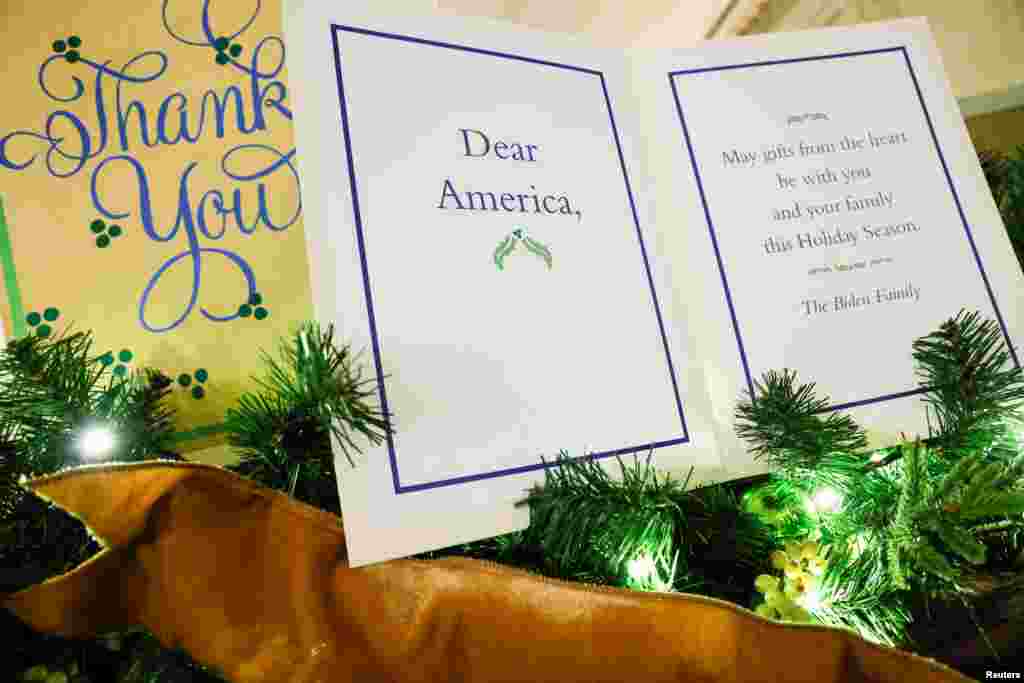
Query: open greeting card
{"x": 547, "y": 246}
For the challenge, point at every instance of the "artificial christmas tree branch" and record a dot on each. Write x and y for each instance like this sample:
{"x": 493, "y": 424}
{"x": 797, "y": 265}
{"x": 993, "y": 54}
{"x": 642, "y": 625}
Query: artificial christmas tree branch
{"x": 282, "y": 433}
{"x": 973, "y": 391}
{"x": 786, "y": 424}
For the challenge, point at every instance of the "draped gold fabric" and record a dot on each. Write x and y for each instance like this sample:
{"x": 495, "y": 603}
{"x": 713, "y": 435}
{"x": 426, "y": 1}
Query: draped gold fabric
{"x": 257, "y": 585}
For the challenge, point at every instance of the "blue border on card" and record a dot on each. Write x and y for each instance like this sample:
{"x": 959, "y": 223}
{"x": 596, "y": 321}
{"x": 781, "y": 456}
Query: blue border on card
{"x": 714, "y": 240}
{"x": 346, "y": 128}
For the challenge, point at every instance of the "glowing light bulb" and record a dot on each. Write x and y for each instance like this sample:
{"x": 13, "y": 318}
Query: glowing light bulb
{"x": 96, "y": 442}
{"x": 811, "y": 600}
{"x": 641, "y": 568}
{"x": 826, "y": 499}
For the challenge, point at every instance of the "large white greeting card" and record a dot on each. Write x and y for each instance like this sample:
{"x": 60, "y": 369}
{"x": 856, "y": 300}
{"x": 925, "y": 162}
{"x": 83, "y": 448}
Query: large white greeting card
{"x": 547, "y": 246}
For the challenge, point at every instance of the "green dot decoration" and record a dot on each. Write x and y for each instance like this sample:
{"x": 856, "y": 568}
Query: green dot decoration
{"x": 261, "y": 313}
{"x": 104, "y": 232}
{"x": 61, "y": 47}
{"x": 125, "y": 356}
{"x": 245, "y": 310}
{"x": 201, "y": 375}
{"x": 35, "y": 320}
{"x": 121, "y": 370}
{"x": 107, "y": 358}
{"x": 255, "y": 299}
{"x": 224, "y": 48}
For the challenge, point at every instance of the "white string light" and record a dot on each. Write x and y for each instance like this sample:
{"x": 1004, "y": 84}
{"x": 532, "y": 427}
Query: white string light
{"x": 95, "y": 442}
{"x": 825, "y": 499}
{"x": 641, "y": 568}
{"x": 811, "y": 600}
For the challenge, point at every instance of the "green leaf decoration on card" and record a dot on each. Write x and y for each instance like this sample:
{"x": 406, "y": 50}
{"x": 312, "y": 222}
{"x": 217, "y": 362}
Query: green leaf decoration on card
{"x": 504, "y": 249}
{"x": 539, "y": 249}
{"x": 517, "y": 237}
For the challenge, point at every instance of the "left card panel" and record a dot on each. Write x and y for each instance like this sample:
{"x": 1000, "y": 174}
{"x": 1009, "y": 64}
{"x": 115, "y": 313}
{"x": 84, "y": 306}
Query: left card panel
{"x": 486, "y": 246}
{"x": 150, "y": 192}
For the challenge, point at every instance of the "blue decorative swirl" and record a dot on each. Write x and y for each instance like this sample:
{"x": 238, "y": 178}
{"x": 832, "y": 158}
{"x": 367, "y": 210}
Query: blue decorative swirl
{"x": 281, "y": 160}
{"x": 196, "y": 253}
{"x": 41, "y": 77}
{"x": 208, "y": 33}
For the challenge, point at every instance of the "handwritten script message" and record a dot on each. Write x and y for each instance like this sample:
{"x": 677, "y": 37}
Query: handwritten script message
{"x": 99, "y": 124}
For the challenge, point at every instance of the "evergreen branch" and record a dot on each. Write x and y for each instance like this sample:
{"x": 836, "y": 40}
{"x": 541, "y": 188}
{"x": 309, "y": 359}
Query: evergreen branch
{"x": 935, "y": 526}
{"x": 590, "y": 526}
{"x": 972, "y": 390}
{"x": 51, "y": 391}
{"x": 856, "y": 592}
{"x": 313, "y": 389}
{"x": 586, "y": 526}
{"x": 783, "y": 423}
{"x": 53, "y": 388}
{"x": 720, "y": 536}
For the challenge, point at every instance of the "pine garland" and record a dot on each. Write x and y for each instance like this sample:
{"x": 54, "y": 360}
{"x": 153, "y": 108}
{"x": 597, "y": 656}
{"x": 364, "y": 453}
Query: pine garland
{"x": 974, "y": 393}
{"x": 786, "y": 424}
{"x": 940, "y": 516}
{"x": 282, "y": 432}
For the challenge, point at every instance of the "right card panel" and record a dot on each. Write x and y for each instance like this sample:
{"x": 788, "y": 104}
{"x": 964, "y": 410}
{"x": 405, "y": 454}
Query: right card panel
{"x": 839, "y": 211}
